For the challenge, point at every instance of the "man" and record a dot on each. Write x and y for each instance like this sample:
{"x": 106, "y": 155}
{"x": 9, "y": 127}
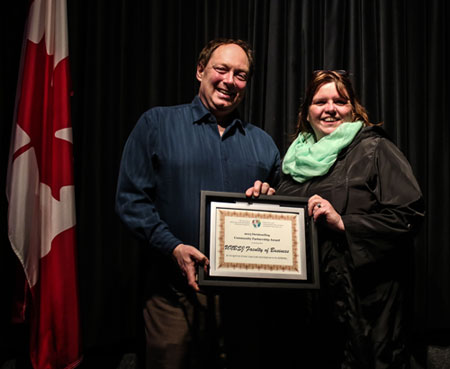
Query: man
{"x": 171, "y": 155}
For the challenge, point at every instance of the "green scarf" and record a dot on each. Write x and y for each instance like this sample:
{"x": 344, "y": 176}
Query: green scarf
{"x": 307, "y": 158}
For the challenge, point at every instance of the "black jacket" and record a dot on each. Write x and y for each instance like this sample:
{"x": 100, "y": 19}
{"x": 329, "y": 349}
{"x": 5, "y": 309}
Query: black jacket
{"x": 363, "y": 271}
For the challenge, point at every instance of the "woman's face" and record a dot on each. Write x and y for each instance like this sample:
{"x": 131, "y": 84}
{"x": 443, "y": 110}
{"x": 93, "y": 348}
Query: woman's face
{"x": 328, "y": 110}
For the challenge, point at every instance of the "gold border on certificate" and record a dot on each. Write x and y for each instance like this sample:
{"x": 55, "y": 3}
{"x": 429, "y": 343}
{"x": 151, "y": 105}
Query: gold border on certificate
{"x": 251, "y": 240}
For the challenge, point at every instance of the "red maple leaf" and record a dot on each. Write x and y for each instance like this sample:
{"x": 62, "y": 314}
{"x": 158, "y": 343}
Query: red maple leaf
{"x": 43, "y": 111}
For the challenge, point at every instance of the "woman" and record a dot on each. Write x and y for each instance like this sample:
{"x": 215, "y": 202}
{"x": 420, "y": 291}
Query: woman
{"x": 367, "y": 205}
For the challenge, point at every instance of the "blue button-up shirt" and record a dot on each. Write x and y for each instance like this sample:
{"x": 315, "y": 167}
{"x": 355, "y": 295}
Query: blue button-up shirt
{"x": 175, "y": 152}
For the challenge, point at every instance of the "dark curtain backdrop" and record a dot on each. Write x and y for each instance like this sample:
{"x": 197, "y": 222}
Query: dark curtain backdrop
{"x": 127, "y": 56}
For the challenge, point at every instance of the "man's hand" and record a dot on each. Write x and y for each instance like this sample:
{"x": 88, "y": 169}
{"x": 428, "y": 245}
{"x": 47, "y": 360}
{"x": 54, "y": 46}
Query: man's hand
{"x": 259, "y": 188}
{"x": 188, "y": 258}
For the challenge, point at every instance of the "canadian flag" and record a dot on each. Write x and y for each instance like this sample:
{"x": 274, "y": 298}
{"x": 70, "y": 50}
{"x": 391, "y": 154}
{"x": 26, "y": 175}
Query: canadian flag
{"x": 40, "y": 189}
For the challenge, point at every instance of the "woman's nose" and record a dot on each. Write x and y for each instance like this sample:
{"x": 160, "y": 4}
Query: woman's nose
{"x": 330, "y": 107}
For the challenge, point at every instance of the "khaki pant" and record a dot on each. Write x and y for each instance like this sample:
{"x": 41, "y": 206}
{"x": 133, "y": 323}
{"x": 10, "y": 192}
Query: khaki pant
{"x": 181, "y": 332}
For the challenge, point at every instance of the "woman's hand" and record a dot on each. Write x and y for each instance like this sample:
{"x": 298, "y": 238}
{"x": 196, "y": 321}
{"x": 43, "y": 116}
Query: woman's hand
{"x": 319, "y": 208}
{"x": 259, "y": 188}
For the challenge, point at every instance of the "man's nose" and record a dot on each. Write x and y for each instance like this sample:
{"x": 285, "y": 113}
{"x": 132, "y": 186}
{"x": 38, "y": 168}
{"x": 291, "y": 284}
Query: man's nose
{"x": 229, "y": 77}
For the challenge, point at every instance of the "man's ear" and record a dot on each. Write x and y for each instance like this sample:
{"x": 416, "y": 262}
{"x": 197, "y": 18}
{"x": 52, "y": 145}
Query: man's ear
{"x": 200, "y": 71}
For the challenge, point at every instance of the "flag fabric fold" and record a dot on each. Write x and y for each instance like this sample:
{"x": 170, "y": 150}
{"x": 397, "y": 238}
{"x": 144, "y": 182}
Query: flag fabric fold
{"x": 40, "y": 189}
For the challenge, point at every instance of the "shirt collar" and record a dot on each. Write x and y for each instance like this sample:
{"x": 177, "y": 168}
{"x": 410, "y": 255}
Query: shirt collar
{"x": 201, "y": 114}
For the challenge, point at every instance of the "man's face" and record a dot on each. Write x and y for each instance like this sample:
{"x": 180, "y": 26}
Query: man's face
{"x": 223, "y": 80}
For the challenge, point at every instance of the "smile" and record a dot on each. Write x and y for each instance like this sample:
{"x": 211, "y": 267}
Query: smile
{"x": 330, "y": 120}
{"x": 226, "y": 92}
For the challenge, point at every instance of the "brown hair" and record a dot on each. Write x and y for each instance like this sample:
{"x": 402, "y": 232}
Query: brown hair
{"x": 344, "y": 88}
{"x": 212, "y": 45}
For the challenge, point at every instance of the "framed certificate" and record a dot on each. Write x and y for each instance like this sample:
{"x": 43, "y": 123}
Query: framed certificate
{"x": 268, "y": 241}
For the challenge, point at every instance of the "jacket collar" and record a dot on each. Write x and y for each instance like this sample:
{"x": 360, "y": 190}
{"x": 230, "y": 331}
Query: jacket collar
{"x": 365, "y": 132}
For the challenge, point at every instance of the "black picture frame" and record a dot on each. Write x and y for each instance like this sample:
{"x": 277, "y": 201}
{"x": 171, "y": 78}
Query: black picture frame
{"x": 207, "y": 281}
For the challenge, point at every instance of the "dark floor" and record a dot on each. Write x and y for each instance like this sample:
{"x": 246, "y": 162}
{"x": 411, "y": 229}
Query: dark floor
{"x": 437, "y": 357}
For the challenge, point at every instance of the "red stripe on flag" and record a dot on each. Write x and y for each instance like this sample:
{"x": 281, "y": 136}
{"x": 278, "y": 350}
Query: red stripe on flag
{"x": 55, "y": 332}
{"x": 40, "y": 189}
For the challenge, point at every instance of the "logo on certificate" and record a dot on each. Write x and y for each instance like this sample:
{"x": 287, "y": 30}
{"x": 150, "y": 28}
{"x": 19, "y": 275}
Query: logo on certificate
{"x": 256, "y": 223}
